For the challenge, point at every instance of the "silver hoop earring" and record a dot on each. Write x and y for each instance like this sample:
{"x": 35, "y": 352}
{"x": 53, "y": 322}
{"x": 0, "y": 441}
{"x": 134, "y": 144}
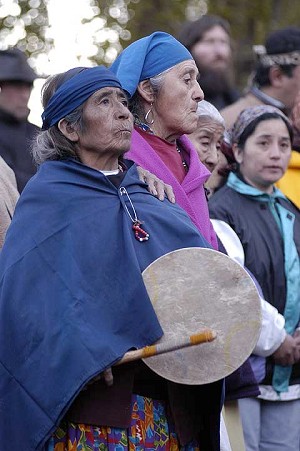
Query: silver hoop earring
{"x": 147, "y": 116}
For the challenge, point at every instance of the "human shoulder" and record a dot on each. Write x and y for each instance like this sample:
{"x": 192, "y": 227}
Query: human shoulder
{"x": 7, "y": 174}
{"x": 222, "y": 195}
{"x": 225, "y": 204}
{"x": 231, "y": 113}
{"x": 33, "y": 127}
{"x": 291, "y": 206}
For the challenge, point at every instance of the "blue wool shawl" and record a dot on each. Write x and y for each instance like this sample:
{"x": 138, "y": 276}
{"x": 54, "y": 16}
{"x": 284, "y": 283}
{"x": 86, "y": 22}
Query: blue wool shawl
{"x": 72, "y": 299}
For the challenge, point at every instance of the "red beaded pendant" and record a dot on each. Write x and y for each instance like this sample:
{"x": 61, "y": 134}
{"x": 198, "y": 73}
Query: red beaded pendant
{"x": 139, "y": 233}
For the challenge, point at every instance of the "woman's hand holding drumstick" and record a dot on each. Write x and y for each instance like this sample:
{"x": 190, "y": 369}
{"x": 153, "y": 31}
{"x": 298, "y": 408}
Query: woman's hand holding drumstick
{"x": 204, "y": 336}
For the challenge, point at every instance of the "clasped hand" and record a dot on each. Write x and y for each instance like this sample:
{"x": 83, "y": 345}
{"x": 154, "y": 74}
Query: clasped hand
{"x": 106, "y": 375}
{"x": 288, "y": 352}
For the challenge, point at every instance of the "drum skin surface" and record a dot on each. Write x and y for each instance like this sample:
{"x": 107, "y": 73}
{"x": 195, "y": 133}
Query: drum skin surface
{"x": 192, "y": 289}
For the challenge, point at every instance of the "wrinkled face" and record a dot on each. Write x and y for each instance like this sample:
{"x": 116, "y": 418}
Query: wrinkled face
{"x": 176, "y": 103}
{"x": 14, "y": 97}
{"x": 266, "y": 154}
{"x": 107, "y": 124}
{"x": 213, "y": 51}
{"x": 207, "y": 140}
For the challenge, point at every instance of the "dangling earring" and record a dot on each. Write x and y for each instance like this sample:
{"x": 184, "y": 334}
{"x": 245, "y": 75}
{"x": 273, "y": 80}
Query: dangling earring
{"x": 147, "y": 119}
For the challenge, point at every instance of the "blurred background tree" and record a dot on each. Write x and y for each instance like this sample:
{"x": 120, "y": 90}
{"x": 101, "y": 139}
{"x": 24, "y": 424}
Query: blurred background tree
{"x": 113, "y": 24}
{"x": 24, "y": 23}
{"x": 251, "y": 21}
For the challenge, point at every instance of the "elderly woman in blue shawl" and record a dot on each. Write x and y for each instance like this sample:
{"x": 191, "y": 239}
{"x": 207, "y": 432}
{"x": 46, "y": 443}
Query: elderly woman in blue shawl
{"x": 72, "y": 299}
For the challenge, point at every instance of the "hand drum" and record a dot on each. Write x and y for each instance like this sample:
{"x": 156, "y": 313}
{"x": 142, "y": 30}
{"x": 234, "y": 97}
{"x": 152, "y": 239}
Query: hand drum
{"x": 193, "y": 289}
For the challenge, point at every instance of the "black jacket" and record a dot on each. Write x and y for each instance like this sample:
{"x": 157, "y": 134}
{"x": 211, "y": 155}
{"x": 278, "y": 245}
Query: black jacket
{"x": 15, "y": 141}
{"x": 260, "y": 236}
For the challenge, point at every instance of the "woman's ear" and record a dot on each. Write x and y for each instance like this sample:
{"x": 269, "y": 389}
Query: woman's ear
{"x": 238, "y": 153}
{"x": 145, "y": 90}
{"x": 277, "y": 76}
{"x": 67, "y": 130}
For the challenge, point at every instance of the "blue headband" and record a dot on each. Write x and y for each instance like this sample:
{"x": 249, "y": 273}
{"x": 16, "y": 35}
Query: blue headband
{"x": 148, "y": 57}
{"x": 75, "y": 91}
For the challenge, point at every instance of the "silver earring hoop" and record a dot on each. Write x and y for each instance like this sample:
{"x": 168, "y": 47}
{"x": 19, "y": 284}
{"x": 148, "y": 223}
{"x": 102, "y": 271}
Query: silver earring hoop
{"x": 147, "y": 116}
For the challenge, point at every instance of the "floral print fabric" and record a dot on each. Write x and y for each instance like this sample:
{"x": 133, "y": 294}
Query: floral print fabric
{"x": 149, "y": 429}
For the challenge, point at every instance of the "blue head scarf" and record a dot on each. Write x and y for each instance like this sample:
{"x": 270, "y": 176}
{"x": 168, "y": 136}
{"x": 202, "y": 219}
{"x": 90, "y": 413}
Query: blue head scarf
{"x": 78, "y": 85}
{"x": 148, "y": 57}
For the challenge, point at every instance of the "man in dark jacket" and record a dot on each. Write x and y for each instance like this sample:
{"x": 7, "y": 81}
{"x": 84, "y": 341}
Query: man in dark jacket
{"x": 16, "y": 133}
{"x": 276, "y": 82}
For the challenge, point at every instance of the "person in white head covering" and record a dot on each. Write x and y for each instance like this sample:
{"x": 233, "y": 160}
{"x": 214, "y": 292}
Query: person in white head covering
{"x": 207, "y": 140}
{"x": 208, "y": 136}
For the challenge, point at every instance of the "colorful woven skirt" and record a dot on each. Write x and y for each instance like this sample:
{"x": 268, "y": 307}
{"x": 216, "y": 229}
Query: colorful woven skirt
{"x": 149, "y": 429}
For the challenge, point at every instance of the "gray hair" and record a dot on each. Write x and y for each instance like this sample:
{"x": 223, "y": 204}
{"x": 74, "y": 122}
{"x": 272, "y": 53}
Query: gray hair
{"x": 135, "y": 104}
{"x": 51, "y": 144}
{"x": 206, "y": 109}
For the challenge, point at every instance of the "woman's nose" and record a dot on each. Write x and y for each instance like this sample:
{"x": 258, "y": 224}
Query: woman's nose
{"x": 212, "y": 158}
{"x": 222, "y": 49}
{"x": 198, "y": 93}
{"x": 275, "y": 151}
{"x": 123, "y": 111}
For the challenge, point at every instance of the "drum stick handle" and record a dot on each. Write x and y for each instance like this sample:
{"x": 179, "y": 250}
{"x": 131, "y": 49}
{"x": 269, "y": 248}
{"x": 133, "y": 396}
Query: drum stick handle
{"x": 149, "y": 351}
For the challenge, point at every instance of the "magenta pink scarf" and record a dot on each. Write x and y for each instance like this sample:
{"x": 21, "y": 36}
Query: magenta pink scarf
{"x": 190, "y": 194}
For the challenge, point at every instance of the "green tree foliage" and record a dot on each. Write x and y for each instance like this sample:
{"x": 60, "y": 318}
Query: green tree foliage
{"x": 133, "y": 19}
{"x": 116, "y": 23}
{"x": 251, "y": 21}
{"x": 116, "y": 15}
{"x": 24, "y": 23}
{"x": 161, "y": 15}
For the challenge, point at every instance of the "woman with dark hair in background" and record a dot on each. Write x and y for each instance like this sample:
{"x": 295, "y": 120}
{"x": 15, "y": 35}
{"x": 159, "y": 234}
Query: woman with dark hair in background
{"x": 268, "y": 226}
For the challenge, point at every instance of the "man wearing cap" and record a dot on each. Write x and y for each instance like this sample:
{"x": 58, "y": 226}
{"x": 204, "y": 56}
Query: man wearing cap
{"x": 276, "y": 82}
{"x": 16, "y": 133}
{"x": 276, "y": 79}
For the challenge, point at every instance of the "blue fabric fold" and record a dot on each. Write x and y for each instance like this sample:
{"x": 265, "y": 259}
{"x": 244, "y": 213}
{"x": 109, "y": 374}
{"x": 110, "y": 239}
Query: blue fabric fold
{"x": 72, "y": 298}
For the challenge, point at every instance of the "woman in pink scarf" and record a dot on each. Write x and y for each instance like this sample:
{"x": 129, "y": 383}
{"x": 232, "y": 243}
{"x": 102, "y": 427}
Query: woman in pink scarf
{"x": 160, "y": 76}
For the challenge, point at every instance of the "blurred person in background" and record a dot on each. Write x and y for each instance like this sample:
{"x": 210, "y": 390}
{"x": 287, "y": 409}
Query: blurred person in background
{"x": 8, "y": 198}
{"x": 208, "y": 39}
{"x": 209, "y": 142}
{"x": 268, "y": 227}
{"x": 208, "y": 137}
{"x": 16, "y": 133}
{"x": 276, "y": 82}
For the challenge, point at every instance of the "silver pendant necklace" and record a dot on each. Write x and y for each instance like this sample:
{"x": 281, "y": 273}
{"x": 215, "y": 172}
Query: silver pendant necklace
{"x": 140, "y": 234}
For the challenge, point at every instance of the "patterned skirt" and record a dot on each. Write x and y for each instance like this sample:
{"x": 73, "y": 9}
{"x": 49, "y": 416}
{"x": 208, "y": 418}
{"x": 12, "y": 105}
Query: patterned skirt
{"x": 149, "y": 429}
